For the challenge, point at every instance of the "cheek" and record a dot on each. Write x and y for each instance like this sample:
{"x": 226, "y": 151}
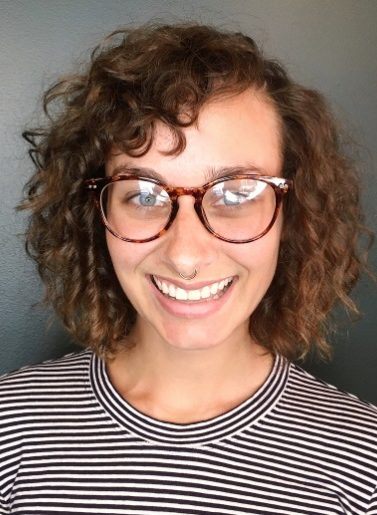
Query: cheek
{"x": 117, "y": 251}
{"x": 259, "y": 260}
{"x": 125, "y": 256}
{"x": 128, "y": 260}
{"x": 262, "y": 253}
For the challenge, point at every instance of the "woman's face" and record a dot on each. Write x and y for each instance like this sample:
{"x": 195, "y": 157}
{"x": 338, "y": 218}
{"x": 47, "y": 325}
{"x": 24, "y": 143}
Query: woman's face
{"x": 239, "y": 131}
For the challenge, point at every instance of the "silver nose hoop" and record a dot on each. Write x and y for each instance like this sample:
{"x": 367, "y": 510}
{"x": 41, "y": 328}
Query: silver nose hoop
{"x": 189, "y": 277}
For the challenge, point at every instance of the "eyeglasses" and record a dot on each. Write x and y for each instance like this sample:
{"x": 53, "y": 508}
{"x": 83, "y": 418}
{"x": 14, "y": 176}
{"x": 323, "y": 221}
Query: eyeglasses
{"x": 236, "y": 208}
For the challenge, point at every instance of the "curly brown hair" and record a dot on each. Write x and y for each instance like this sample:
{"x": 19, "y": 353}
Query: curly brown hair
{"x": 154, "y": 73}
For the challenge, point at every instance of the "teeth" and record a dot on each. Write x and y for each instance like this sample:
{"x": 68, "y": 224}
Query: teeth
{"x": 193, "y": 295}
{"x": 180, "y": 294}
{"x": 203, "y": 293}
{"x": 206, "y": 292}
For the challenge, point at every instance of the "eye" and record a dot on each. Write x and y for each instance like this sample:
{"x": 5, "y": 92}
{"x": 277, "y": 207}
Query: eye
{"x": 147, "y": 199}
{"x": 234, "y": 198}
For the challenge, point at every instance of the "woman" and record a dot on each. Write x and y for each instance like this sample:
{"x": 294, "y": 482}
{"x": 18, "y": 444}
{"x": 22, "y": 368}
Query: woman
{"x": 194, "y": 221}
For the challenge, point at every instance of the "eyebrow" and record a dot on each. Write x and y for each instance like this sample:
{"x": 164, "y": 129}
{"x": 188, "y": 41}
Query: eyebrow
{"x": 211, "y": 173}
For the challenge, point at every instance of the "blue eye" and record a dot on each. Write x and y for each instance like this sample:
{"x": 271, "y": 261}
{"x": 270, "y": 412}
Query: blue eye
{"x": 147, "y": 199}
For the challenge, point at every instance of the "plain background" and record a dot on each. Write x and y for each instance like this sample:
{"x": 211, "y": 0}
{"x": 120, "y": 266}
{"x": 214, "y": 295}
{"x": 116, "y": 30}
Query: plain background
{"x": 326, "y": 44}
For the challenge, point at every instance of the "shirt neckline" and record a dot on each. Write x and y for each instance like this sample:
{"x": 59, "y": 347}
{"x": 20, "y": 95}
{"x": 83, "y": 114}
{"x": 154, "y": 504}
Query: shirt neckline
{"x": 148, "y": 428}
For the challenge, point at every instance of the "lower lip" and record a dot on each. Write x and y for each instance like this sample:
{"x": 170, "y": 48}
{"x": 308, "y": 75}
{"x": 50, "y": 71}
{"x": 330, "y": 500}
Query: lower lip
{"x": 194, "y": 309}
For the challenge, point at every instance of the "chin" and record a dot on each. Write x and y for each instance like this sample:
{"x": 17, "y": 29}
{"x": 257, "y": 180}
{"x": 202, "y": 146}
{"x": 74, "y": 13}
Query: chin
{"x": 190, "y": 336}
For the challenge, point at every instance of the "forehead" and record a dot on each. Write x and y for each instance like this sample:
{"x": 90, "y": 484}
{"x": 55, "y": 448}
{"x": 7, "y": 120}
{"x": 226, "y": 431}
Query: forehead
{"x": 242, "y": 130}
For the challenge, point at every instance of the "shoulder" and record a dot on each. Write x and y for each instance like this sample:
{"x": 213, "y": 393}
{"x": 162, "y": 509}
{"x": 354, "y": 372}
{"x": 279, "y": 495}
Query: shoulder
{"x": 47, "y": 378}
{"x": 315, "y": 399}
{"x": 37, "y": 399}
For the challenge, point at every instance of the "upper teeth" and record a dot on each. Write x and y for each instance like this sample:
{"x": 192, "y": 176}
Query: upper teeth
{"x": 181, "y": 294}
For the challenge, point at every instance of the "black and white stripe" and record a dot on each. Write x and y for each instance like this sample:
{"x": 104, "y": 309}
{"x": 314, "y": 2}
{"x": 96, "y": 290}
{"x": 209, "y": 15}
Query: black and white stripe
{"x": 71, "y": 444}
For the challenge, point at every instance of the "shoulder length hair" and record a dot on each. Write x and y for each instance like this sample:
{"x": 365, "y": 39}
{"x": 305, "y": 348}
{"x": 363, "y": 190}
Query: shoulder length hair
{"x": 136, "y": 77}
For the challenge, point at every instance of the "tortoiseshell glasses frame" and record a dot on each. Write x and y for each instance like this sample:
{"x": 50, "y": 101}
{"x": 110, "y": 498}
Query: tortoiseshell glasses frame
{"x": 280, "y": 186}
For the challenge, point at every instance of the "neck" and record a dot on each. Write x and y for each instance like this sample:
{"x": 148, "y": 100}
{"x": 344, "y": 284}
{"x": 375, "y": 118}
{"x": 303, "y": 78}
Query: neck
{"x": 183, "y": 386}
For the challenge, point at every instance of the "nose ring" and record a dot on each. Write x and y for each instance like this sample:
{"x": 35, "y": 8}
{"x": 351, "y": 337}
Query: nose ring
{"x": 188, "y": 277}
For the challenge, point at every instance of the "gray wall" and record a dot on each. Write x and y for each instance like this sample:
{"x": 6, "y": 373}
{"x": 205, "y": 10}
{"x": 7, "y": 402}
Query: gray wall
{"x": 328, "y": 44}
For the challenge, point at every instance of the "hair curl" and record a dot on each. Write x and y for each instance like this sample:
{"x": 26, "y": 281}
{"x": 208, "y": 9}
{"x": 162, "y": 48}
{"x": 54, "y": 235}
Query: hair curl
{"x": 154, "y": 73}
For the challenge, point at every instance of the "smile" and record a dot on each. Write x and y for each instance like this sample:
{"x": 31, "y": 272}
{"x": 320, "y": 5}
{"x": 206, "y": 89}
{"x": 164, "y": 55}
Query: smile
{"x": 211, "y": 291}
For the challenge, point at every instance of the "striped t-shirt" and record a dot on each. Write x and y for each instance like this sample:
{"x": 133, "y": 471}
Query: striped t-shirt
{"x": 70, "y": 444}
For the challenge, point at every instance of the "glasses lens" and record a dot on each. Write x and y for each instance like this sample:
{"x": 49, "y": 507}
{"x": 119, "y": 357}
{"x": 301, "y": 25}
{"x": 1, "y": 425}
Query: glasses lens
{"x": 135, "y": 209}
{"x": 240, "y": 209}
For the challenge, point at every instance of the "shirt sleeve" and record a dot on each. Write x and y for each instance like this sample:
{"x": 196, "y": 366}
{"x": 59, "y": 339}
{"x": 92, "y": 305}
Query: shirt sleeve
{"x": 372, "y": 508}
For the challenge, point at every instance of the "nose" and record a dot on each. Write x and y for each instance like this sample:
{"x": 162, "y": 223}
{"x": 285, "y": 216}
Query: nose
{"x": 187, "y": 244}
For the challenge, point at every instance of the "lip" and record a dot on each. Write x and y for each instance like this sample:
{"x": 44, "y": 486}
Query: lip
{"x": 191, "y": 286}
{"x": 192, "y": 309}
